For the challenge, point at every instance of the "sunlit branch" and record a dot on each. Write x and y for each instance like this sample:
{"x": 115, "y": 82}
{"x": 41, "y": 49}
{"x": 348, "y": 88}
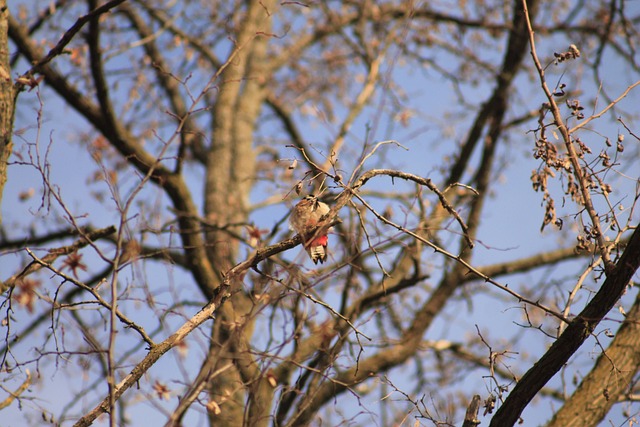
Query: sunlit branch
{"x": 158, "y": 350}
{"x": 604, "y": 110}
{"x": 361, "y": 100}
{"x": 465, "y": 264}
{"x": 16, "y": 394}
{"x": 617, "y": 280}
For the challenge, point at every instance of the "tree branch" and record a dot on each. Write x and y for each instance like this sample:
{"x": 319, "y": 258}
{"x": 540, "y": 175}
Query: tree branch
{"x": 576, "y": 333}
{"x": 58, "y": 49}
{"x": 611, "y": 376}
{"x": 53, "y": 254}
{"x": 157, "y": 351}
{"x": 25, "y": 385}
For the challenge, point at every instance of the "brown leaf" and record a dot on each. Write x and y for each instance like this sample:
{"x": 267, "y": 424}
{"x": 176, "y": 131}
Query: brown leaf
{"x": 183, "y": 349}
{"x": 74, "y": 262}
{"x": 255, "y": 235}
{"x": 27, "y": 194}
{"x": 26, "y": 295}
{"x": 161, "y": 390}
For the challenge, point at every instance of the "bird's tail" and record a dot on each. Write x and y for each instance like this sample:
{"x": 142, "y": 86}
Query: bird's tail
{"x": 317, "y": 249}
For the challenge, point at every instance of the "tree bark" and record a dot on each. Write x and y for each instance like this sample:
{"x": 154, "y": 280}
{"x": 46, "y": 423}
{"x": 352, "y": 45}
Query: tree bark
{"x": 7, "y": 99}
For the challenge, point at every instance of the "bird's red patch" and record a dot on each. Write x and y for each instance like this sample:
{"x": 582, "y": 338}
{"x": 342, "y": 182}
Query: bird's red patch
{"x": 320, "y": 241}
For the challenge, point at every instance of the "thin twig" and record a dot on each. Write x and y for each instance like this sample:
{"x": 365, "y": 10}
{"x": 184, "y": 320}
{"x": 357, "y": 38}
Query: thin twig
{"x": 604, "y": 110}
{"x": 124, "y": 319}
{"x": 25, "y": 79}
{"x": 464, "y": 263}
{"x": 53, "y": 254}
{"x": 422, "y": 181}
{"x": 361, "y": 100}
{"x": 315, "y": 301}
{"x": 331, "y": 309}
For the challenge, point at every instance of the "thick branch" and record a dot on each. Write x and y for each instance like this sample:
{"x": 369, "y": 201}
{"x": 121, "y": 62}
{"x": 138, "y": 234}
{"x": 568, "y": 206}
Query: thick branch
{"x": 612, "y": 376}
{"x": 130, "y": 148}
{"x": 120, "y": 137}
{"x": 471, "y": 416}
{"x": 495, "y": 106}
{"x": 152, "y": 357}
{"x": 190, "y": 132}
{"x": 573, "y": 337}
{"x": 7, "y": 99}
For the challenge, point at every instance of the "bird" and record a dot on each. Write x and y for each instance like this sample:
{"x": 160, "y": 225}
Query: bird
{"x": 304, "y": 217}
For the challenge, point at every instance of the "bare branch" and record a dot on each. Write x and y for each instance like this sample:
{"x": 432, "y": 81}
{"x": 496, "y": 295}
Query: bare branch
{"x": 25, "y": 79}
{"x": 124, "y": 319}
{"x": 572, "y": 338}
{"x": 53, "y": 254}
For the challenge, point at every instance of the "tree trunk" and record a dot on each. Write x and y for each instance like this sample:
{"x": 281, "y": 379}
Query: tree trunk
{"x": 230, "y": 178}
{"x": 7, "y": 99}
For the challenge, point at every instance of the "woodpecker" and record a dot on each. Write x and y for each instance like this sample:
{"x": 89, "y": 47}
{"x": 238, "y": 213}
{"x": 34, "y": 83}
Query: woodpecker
{"x": 304, "y": 217}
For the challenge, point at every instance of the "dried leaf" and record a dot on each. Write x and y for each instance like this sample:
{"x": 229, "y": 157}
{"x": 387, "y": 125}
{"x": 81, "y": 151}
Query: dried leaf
{"x": 161, "y": 390}
{"x": 183, "y": 349}
{"x": 27, "y": 194}
{"x": 26, "y": 295}
{"x": 74, "y": 262}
